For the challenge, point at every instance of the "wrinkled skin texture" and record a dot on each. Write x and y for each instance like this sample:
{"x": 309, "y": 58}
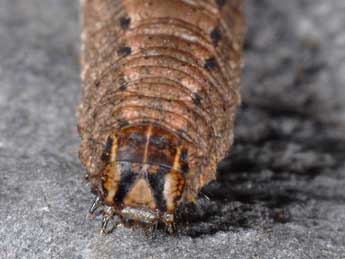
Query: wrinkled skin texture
{"x": 172, "y": 65}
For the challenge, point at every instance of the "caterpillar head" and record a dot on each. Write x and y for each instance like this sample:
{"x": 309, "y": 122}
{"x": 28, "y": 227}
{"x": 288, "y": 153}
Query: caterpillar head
{"x": 144, "y": 175}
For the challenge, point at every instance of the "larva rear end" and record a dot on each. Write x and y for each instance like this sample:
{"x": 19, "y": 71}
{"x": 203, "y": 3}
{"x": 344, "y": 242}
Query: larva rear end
{"x": 161, "y": 86}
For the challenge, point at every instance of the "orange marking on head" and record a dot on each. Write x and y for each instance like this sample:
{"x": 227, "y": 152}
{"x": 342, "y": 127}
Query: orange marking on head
{"x": 148, "y": 136}
{"x": 136, "y": 167}
{"x": 153, "y": 169}
{"x": 177, "y": 164}
{"x": 113, "y": 149}
{"x": 173, "y": 187}
{"x": 111, "y": 183}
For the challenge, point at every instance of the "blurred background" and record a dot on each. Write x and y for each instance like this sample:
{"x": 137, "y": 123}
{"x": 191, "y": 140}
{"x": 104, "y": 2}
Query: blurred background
{"x": 279, "y": 195}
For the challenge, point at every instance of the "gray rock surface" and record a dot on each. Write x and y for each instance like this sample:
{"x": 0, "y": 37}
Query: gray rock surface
{"x": 281, "y": 194}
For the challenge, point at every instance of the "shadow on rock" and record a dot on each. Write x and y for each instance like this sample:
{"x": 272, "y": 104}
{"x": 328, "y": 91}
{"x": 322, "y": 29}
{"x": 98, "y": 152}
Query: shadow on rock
{"x": 272, "y": 161}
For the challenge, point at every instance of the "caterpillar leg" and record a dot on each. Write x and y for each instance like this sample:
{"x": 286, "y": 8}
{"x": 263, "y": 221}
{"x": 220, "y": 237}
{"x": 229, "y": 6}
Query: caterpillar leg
{"x": 171, "y": 229}
{"x": 108, "y": 215}
{"x": 95, "y": 205}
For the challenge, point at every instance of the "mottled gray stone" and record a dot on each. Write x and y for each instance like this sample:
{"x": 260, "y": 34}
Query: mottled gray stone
{"x": 279, "y": 195}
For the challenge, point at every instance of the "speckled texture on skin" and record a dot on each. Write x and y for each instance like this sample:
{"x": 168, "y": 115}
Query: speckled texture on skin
{"x": 176, "y": 64}
{"x": 280, "y": 195}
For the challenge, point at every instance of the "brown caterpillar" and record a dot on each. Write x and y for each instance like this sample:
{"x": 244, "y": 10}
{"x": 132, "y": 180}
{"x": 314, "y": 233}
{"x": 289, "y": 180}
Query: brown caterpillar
{"x": 161, "y": 86}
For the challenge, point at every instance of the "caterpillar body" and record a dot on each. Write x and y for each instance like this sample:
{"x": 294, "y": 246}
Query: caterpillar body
{"x": 161, "y": 86}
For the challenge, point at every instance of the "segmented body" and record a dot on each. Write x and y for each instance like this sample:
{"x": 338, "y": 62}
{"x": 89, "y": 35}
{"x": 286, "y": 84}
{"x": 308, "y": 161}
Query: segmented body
{"x": 161, "y": 86}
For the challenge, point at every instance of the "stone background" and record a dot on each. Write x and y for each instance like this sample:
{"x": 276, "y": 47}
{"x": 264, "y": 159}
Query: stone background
{"x": 281, "y": 194}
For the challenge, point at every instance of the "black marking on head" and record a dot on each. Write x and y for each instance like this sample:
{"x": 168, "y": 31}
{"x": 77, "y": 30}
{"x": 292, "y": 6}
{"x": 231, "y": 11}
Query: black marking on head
{"x": 220, "y": 3}
{"x": 157, "y": 182}
{"x": 124, "y": 51}
{"x": 184, "y": 161}
{"x": 123, "y": 84}
{"x": 136, "y": 138}
{"x": 159, "y": 141}
{"x": 128, "y": 177}
{"x": 211, "y": 63}
{"x": 196, "y": 99}
{"x": 125, "y": 22}
{"x": 107, "y": 150}
{"x": 216, "y": 36}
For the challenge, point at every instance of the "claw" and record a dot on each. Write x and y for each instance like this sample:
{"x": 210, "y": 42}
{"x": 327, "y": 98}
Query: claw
{"x": 105, "y": 221}
{"x": 171, "y": 229}
{"x": 95, "y": 205}
{"x": 108, "y": 214}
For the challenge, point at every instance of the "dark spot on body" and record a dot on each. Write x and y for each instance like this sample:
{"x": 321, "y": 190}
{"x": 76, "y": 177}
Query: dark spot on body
{"x": 125, "y": 22}
{"x": 124, "y": 51}
{"x": 107, "y": 150}
{"x": 196, "y": 99}
{"x": 220, "y": 3}
{"x": 122, "y": 123}
{"x": 123, "y": 84}
{"x": 211, "y": 63}
{"x": 224, "y": 107}
{"x": 216, "y": 36}
{"x": 184, "y": 156}
{"x": 97, "y": 83}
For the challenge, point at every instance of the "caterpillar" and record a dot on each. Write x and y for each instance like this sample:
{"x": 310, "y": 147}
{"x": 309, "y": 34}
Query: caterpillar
{"x": 160, "y": 91}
